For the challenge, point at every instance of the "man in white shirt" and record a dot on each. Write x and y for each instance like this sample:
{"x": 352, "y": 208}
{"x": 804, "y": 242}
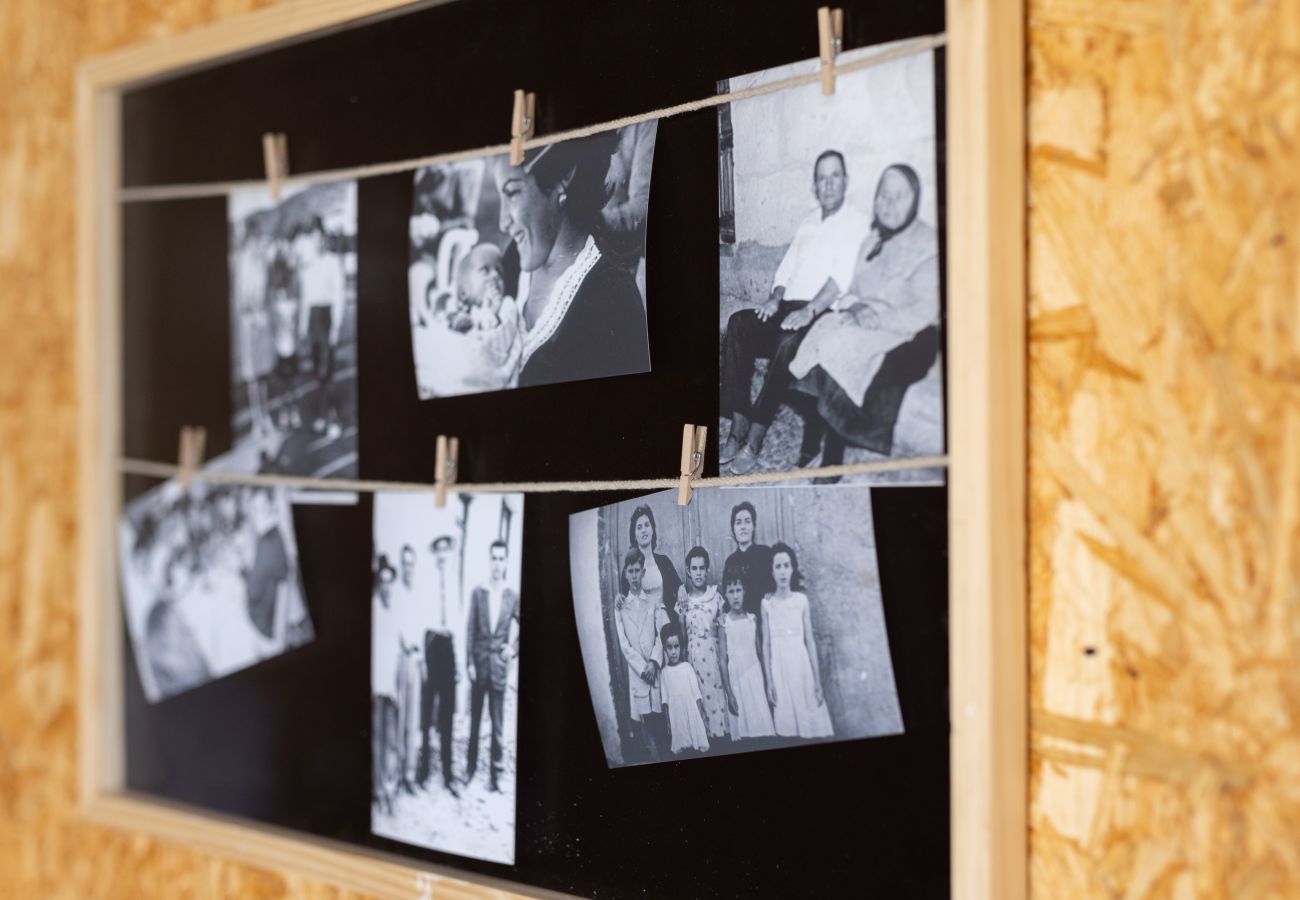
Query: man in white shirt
{"x": 438, "y": 701}
{"x": 323, "y": 302}
{"x": 816, "y": 270}
{"x": 410, "y": 611}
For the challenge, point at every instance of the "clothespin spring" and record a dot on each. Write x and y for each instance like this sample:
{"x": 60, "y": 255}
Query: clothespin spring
{"x": 523, "y": 123}
{"x": 446, "y": 467}
{"x": 830, "y": 41}
{"x": 694, "y": 438}
{"x": 189, "y": 455}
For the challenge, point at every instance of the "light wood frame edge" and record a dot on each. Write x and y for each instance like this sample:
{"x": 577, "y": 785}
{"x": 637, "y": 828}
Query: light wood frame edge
{"x": 987, "y": 515}
{"x": 986, "y": 434}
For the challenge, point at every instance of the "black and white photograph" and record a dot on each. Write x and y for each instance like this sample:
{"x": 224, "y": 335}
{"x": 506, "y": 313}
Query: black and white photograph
{"x": 210, "y": 582}
{"x": 829, "y": 295}
{"x": 750, "y": 619}
{"x": 293, "y": 308}
{"x": 532, "y": 274}
{"x": 445, "y": 671}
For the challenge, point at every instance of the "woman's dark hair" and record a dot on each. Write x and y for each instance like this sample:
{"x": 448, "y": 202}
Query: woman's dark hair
{"x": 741, "y": 507}
{"x": 588, "y": 159}
{"x": 631, "y": 556}
{"x": 643, "y": 510}
{"x": 796, "y": 578}
{"x": 693, "y": 553}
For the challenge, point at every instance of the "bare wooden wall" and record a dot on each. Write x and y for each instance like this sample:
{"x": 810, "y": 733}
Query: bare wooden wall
{"x": 1164, "y": 440}
{"x": 1165, "y": 447}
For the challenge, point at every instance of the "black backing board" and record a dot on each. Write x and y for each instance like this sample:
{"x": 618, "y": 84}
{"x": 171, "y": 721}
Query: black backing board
{"x": 287, "y": 742}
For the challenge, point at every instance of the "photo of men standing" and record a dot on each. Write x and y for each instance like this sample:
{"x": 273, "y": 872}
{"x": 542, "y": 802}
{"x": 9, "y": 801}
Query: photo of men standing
{"x": 444, "y": 645}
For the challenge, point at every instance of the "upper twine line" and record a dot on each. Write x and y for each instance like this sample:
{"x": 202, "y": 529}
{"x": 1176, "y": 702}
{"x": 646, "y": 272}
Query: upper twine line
{"x": 216, "y": 188}
{"x": 128, "y": 466}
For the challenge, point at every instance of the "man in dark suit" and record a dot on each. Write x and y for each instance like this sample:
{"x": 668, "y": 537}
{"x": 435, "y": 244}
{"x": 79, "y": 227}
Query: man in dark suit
{"x": 493, "y": 643}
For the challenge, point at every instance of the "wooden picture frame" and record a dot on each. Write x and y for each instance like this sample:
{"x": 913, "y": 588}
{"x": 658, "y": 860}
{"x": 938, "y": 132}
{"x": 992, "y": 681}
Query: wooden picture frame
{"x": 986, "y": 409}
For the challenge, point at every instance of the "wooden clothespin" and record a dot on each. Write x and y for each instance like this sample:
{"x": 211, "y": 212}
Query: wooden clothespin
{"x": 447, "y": 460}
{"x": 830, "y": 38}
{"x": 693, "y": 439}
{"x": 275, "y": 154}
{"x": 522, "y": 125}
{"x": 189, "y": 457}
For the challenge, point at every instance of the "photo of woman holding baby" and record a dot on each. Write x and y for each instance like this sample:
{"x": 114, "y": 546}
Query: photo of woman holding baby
{"x": 542, "y": 283}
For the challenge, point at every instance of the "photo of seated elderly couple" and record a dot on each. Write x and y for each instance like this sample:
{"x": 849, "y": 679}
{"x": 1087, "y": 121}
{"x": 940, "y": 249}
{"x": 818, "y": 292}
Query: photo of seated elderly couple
{"x": 830, "y": 314}
{"x": 534, "y": 273}
{"x": 750, "y": 619}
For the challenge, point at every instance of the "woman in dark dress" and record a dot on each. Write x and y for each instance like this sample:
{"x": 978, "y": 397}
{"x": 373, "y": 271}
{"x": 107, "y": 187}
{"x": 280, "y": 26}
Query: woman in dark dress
{"x": 582, "y": 315}
{"x": 660, "y": 582}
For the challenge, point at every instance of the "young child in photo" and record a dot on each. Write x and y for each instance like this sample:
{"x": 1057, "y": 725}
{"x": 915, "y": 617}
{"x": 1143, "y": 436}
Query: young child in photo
{"x": 481, "y": 302}
{"x": 476, "y": 333}
{"x": 638, "y": 619}
{"x": 750, "y": 716}
{"x": 680, "y": 689}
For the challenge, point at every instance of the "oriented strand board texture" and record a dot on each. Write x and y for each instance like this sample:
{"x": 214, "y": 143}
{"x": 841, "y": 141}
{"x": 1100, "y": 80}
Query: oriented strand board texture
{"x": 1164, "y": 437}
{"x": 1165, "y": 447}
{"x": 44, "y": 851}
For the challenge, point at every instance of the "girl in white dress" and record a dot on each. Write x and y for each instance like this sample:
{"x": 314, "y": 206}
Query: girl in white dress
{"x": 680, "y": 687}
{"x": 794, "y": 686}
{"x": 741, "y": 671}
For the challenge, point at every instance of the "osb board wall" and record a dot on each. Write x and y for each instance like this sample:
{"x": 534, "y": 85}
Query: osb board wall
{"x": 44, "y": 851}
{"x": 1164, "y": 439}
{"x": 1165, "y": 448}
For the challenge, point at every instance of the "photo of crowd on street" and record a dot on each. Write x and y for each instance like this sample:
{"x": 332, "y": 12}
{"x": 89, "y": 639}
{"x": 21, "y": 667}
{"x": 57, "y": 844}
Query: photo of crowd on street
{"x": 210, "y": 582}
{"x": 750, "y": 619}
{"x": 532, "y": 274}
{"x": 293, "y": 308}
{"x": 829, "y": 326}
{"x": 444, "y": 671}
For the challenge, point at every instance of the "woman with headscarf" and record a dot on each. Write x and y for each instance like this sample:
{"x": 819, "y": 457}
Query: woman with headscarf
{"x": 883, "y": 334}
{"x": 582, "y": 315}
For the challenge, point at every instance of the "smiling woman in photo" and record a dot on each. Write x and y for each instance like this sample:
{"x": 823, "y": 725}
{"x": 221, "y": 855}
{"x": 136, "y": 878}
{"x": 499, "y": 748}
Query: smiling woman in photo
{"x": 582, "y": 314}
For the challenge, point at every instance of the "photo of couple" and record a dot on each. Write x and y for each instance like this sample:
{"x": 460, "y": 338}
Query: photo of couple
{"x": 830, "y": 310}
{"x": 444, "y": 675}
{"x": 532, "y": 274}
{"x": 700, "y": 639}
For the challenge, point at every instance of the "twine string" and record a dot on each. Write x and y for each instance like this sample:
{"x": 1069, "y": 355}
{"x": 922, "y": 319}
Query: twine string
{"x": 150, "y": 469}
{"x": 212, "y": 189}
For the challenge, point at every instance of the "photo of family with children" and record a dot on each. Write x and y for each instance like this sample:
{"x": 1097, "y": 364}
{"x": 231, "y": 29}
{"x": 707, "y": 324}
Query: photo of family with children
{"x": 750, "y": 619}
{"x": 829, "y": 297}
{"x": 533, "y": 273}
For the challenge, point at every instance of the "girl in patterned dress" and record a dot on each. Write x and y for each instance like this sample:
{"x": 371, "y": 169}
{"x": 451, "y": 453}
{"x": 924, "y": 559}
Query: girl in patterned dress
{"x": 698, "y": 607}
